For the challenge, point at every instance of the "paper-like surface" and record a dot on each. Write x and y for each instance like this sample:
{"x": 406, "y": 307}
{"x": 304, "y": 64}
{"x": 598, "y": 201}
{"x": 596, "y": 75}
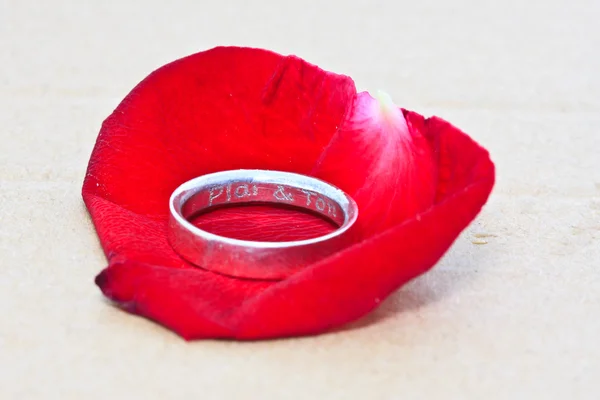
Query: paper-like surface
{"x": 512, "y": 311}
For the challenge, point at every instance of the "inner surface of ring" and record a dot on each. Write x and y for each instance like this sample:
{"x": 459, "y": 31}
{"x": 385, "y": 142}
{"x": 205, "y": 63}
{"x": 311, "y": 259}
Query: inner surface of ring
{"x": 239, "y": 192}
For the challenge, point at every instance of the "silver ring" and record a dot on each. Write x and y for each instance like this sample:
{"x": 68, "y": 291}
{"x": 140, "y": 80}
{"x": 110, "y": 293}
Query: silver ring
{"x": 257, "y": 259}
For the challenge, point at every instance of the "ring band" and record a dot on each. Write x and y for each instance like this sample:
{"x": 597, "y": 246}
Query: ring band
{"x": 256, "y": 259}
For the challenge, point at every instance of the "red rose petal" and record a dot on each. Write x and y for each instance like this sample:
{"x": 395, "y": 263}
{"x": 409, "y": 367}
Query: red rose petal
{"x": 384, "y": 165}
{"x": 245, "y": 108}
{"x": 226, "y": 108}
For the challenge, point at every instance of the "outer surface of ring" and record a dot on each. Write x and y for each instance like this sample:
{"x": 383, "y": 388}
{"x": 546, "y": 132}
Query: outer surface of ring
{"x": 254, "y": 259}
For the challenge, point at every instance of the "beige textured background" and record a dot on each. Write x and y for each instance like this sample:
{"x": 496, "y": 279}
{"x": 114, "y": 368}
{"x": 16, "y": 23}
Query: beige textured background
{"x": 516, "y": 317}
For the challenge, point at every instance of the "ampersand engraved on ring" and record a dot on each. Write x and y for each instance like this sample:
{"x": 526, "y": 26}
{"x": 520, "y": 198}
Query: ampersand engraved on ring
{"x": 281, "y": 195}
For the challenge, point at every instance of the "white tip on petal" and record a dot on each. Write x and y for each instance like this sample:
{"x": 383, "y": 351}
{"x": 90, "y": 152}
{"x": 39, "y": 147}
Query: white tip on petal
{"x": 389, "y": 111}
{"x": 385, "y": 101}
